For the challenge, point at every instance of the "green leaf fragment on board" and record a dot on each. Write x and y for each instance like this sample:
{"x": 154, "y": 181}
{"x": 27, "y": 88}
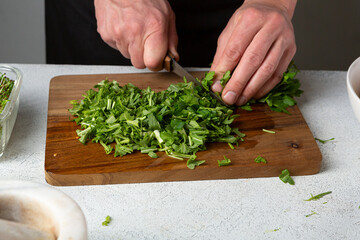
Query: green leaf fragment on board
{"x": 192, "y": 163}
{"x": 286, "y": 178}
{"x": 260, "y": 159}
{"x": 225, "y": 162}
{"x": 268, "y": 131}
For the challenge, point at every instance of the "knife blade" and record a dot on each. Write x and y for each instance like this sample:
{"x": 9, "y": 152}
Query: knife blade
{"x": 171, "y": 65}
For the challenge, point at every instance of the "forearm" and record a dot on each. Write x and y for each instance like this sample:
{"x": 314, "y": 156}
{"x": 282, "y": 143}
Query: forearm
{"x": 287, "y": 6}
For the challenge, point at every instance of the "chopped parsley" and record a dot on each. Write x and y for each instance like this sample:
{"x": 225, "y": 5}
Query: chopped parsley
{"x": 312, "y": 213}
{"x": 317, "y": 197}
{"x": 224, "y": 162}
{"x": 177, "y": 121}
{"x": 107, "y": 221}
{"x": 286, "y": 178}
{"x": 324, "y": 141}
{"x": 269, "y": 131}
{"x": 260, "y": 159}
{"x": 6, "y": 86}
{"x": 192, "y": 163}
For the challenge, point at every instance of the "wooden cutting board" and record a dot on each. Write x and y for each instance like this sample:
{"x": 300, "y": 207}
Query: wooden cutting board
{"x": 68, "y": 162}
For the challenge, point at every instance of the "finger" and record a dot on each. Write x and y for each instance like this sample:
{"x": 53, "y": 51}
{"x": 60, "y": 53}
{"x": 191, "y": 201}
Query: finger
{"x": 136, "y": 51}
{"x": 234, "y": 49}
{"x": 173, "y": 38}
{"x": 278, "y": 74}
{"x": 264, "y": 73}
{"x": 221, "y": 43}
{"x": 155, "y": 49}
{"x": 250, "y": 61}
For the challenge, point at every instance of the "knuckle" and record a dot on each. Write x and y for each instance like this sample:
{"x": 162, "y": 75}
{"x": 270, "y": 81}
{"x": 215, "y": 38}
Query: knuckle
{"x": 277, "y": 18}
{"x": 268, "y": 68}
{"x": 252, "y": 13}
{"x": 133, "y": 29}
{"x": 232, "y": 53}
{"x": 254, "y": 59}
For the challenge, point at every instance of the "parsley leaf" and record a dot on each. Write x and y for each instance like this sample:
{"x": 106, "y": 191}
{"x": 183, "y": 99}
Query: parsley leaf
{"x": 192, "y": 163}
{"x": 260, "y": 159}
{"x": 286, "y": 178}
{"x": 224, "y": 162}
{"x": 317, "y": 197}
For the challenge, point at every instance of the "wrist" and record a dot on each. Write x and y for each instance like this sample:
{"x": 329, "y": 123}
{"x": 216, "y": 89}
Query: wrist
{"x": 287, "y": 6}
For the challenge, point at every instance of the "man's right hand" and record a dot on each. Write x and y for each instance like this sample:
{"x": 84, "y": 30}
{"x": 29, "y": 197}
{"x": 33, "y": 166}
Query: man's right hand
{"x": 142, "y": 30}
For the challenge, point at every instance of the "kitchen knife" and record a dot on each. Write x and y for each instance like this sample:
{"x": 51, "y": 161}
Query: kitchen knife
{"x": 171, "y": 65}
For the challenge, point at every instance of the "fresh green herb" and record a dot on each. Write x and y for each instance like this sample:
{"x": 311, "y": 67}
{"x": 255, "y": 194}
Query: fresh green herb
{"x": 177, "y": 121}
{"x": 286, "y": 178}
{"x": 107, "y": 221}
{"x": 324, "y": 141}
{"x": 279, "y": 98}
{"x": 317, "y": 197}
{"x": 231, "y": 146}
{"x": 153, "y": 155}
{"x": 6, "y": 86}
{"x": 192, "y": 163}
{"x": 324, "y": 202}
{"x": 225, "y": 79}
{"x": 312, "y": 213}
{"x": 260, "y": 159}
{"x": 273, "y": 230}
{"x": 268, "y": 131}
{"x": 224, "y": 162}
{"x": 282, "y": 95}
{"x": 246, "y": 108}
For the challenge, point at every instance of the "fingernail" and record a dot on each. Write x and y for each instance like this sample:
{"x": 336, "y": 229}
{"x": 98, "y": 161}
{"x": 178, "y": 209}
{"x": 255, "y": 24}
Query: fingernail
{"x": 230, "y": 97}
{"x": 241, "y": 101}
{"x": 217, "y": 87}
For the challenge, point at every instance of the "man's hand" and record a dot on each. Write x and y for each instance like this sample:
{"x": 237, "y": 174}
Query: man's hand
{"x": 142, "y": 30}
{"x": 257, "y": 45}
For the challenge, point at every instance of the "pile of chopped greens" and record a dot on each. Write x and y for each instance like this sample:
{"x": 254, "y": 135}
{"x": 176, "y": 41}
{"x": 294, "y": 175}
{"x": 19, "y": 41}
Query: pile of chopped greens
{"x": 177, "y": 121}
{"x": 6, "y": 86}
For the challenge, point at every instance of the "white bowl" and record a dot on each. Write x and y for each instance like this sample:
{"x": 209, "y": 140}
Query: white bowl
{"x": 36, "y": 211}
{"x": 353, "y": 86}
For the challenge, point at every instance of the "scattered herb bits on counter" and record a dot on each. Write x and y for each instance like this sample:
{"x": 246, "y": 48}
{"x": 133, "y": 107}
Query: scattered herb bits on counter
{"x": 324, "y": 141}
{"x": 6, "y": 86}
{"x": 317, "y": 197}
{"x": 107, "y": 221}
{"x": 286, "y": 178}
{"x": 177, "y": 121}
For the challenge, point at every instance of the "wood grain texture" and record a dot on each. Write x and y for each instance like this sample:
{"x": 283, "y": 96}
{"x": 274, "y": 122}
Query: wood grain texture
{"x": 68, "y": 162}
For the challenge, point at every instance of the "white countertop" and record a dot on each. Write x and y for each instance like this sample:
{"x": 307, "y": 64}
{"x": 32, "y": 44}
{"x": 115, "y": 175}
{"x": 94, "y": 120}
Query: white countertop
{"x": 218, "y": 209}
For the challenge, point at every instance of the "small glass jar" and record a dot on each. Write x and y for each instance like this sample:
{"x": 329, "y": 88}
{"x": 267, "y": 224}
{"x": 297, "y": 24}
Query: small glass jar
{"x": 9, "y": 113}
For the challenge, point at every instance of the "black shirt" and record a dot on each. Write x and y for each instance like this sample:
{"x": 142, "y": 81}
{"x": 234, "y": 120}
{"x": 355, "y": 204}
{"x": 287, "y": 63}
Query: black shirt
{"x": 72, "y": 37}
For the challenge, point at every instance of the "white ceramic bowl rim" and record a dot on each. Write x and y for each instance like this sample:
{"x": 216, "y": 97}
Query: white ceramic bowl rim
{"x": 349, "y": 83}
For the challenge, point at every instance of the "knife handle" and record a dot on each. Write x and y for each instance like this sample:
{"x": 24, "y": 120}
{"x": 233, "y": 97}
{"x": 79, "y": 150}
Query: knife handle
{"x": 167, "y": 61}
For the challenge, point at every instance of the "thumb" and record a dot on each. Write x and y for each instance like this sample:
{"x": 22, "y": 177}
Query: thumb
{"x": 155, "y": 49}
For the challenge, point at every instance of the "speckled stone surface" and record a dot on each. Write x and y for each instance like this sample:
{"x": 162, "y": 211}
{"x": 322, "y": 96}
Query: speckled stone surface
{"x": 223, "y": 209}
